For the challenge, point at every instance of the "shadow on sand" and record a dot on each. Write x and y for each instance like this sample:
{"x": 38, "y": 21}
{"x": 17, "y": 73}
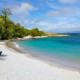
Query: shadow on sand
{"x": 2, "y": 57}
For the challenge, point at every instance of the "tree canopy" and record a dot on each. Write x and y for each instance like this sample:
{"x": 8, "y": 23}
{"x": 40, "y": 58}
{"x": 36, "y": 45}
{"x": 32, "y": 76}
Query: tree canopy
{"x": 8, "y": 29}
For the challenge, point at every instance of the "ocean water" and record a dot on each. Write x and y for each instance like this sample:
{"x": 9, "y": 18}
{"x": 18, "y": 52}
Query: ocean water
{"x": 62, "y": 50}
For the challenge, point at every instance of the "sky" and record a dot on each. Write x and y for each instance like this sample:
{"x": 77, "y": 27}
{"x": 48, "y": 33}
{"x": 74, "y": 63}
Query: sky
{"x": 48, "y": 15}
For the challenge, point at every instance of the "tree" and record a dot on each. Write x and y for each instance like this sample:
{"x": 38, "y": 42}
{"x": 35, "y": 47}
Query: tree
{"x": 1, "y": 31}
{"x": 35, "y": 32}
{"x": 8, "y": 29}
{"x": 41, "y": 33}
{"x": 6, "y": 12}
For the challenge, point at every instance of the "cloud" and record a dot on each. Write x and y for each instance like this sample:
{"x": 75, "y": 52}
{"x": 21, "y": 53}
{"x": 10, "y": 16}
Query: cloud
{"x": 59, "y": 9}
{"x": 53, "y": 13}
{"x": 59, "y": 27}
{"x": 53, "y": 5}
{"x": 18, "y": 8}
{"x": 63, "y": 25}
{"x": 24, "y": 8}
{"x": 56, "y": 11}
{"x": 65, "y": 11}
{"x": 68, "y": 1}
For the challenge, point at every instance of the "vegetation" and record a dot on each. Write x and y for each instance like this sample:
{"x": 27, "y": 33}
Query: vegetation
{"x": 36, "y": 32}
{"x": 9, "y": 30}
{"x": 57, "y": 35}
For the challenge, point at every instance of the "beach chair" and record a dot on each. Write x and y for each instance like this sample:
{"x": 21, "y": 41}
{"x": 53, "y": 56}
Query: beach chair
{"x": 0, "y": 53}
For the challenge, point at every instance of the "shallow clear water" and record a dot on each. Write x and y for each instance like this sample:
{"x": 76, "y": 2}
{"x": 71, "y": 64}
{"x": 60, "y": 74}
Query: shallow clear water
{"x": 63, "y": 50}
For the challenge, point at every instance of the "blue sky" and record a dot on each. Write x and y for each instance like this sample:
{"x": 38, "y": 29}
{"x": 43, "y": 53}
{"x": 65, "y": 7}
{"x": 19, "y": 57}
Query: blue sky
{"x": 47, "y": 15}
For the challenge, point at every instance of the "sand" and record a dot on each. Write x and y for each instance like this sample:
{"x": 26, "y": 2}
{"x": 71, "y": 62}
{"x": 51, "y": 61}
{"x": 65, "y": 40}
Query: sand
{"x": 17, "y": 66}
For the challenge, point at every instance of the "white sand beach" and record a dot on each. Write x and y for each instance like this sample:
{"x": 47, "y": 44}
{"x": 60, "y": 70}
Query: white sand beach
{"x": 15, "y": 66}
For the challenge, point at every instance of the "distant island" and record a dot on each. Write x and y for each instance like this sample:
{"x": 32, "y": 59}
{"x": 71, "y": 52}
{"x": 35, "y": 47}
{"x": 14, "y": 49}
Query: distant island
{"x": 57, "y": 35}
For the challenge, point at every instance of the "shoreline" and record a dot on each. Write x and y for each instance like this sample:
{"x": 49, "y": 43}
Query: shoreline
{"x": 26, "y": 67}
{"x": 14, "y": 46}
{"x": 53, "y": 63}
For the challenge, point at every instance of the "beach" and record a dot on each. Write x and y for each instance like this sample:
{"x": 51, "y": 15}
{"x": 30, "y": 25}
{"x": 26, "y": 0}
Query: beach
{"x": 17, "y": 66}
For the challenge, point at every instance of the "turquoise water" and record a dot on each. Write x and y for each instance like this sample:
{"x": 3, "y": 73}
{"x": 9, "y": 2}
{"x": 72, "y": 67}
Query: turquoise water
{"x": 63, "y": 50}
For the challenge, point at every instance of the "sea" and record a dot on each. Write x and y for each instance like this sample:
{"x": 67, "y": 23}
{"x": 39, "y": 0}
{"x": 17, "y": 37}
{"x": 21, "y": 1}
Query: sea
{"x": 61, "y": 50}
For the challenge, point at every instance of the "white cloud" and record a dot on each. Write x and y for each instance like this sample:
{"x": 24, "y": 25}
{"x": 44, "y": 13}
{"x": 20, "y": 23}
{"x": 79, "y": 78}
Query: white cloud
{"x": 60, "y": 27}
{"x": 68, "y": 1}
{"x": 53, "y": 13}
{"x": 53, "y": 5}
{"x": 24, "y": 8}
{"x": 65, "y": 11}
{"x": 64, "y": 25}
